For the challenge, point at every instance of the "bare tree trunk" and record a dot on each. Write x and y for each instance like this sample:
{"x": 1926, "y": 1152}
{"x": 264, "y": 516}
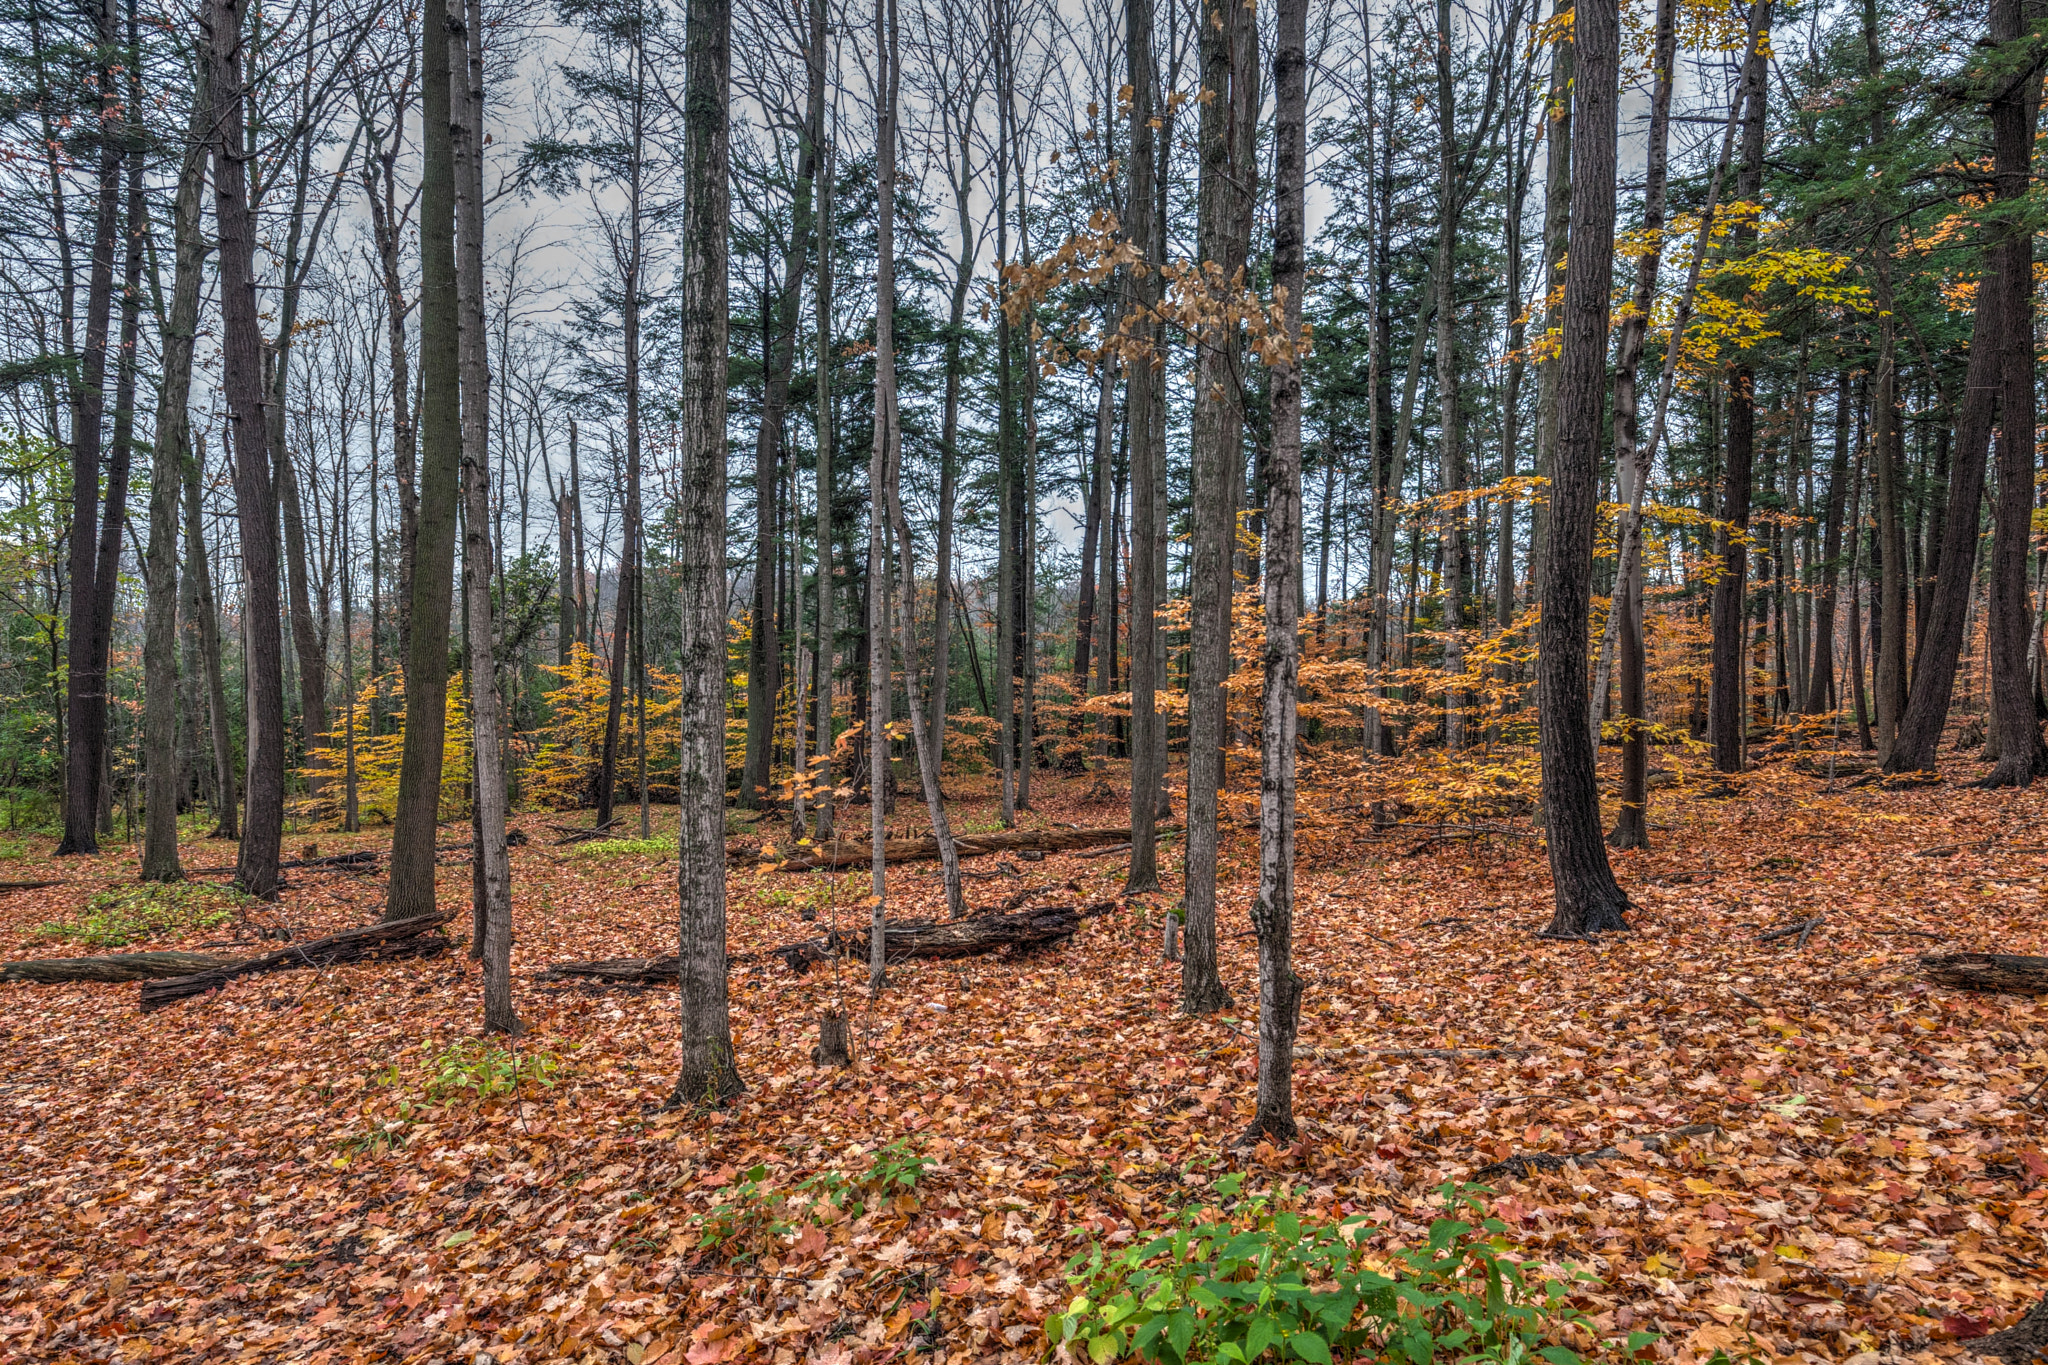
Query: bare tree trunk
{"x": 1631, "y": 461}
{"x": 1728, "y": 707}
{"x": 1147, "y": 455}
{"x": 1450, "y": 423}
{"x": 709, "y": 1073}
{"x": 2021, "y": 755}
{"x": 86, "y": 659}
{"x": 1587, "y": 898}
{"x": 1280, "y": 989}
{"x": 1821, "y": 677}
{"x": 822, "y": 434}
{"x": 491, "y": 866}
{"x": 206, "y": 615}
{"x": 878, "y": 483}
{"x": 1217, "y": 467}
{"x": 166, "y": 482}
{"x": 255, "y": 498}
{"x": 411, "y": 892}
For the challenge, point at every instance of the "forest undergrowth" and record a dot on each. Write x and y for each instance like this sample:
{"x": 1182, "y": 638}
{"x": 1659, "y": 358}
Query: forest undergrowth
{"x": 327, "y": 1166}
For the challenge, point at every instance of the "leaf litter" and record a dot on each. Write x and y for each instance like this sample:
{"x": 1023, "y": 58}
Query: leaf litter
{"x": 281, "y": 1172}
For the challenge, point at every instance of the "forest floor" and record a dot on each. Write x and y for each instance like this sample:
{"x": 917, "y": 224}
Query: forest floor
{"x": 271, "y": 1174}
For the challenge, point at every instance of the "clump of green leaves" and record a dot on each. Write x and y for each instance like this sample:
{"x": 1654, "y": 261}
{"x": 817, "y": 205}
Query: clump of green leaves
{"x": 486, "y": 1071}
{"x": 1263, "y": 1283}
{"x": 113, "y": 919}
{"x": 755, "y": 1215}
{"x": 605, "y": 848}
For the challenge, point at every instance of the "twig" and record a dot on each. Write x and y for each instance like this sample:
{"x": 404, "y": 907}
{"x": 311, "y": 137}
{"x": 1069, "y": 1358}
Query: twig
{"x": 1521, "y": 1163}
{"x": 1804, "y": 926}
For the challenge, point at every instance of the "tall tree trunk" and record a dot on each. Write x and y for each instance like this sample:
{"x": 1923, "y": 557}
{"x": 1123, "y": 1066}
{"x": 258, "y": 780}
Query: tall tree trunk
{"x": 878, "y": 484}
{"x": 1557, "y": 204}
{"x": 166, "y": 482}
{"x": 764, "y": 653}
{"x": 255, "y": 498}
{"x": 309, "y": 640}
{"x": 1273, "y": 913}
{"x": 417, "y": 812}
{"x": 1147, "y": 456}
{"x": 1217, "y": 468}
{"x": 709, "y": 1073}
{"x": 629, "y": 267}
{"x": 949, "y": 467}
{"x": 1587, "y": 898}
{"x": 86, "y": 660}
{"x": 1631, "y": 464}
{"x": 490, "y": 863}
{"x": 821, "y": 422}
{"x": 1450, "y": 434}
{"x": 1946, "y": 610}
{"x": 2021, "y": 755}
{"x": 1728, "y": 707}
{"x": 206, "y": 615}
{"x": 1821, "y": 676}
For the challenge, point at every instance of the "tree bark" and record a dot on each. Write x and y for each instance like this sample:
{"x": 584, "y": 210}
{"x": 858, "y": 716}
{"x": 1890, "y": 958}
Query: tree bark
{"x": 1728, "y": 707}
{"x": 411, "y": 889}
{"x": 1217, "y": 468}
{"x": 206, "y": 615}
{"x": 86, "y": 660}
{"x": 1280, "y": 990}
{"x": 878, "y": 483}
{"x": 255, "y": 498}
{"x": 1631, "y": 457}
{"x": 1147, "y": 456}
{"x": 1587, "y": 898}
{"x": 709, "y": 1074}
{"x": 166, "y": 482}
{"x": 1821, "y": 676}
{"x": 822, "y": 431}
{"x": 2021, "y": 754}
{"x": 490, "y": 862}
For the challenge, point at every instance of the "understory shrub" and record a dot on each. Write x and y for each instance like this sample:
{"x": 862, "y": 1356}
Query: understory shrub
{"x": 114, "y": 919}
{"x": 1261, "y": 1282}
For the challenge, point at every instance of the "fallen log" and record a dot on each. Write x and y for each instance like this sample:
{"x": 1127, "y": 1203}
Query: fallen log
{"x": 26, "y": 886}
{"x": 850, "y": 853}
{"x": 944, "y": 939}
{"x": 52, "y": 971}
{"x": 1522, "y": 1163}
{"x": 371, "y": 943}
{"x": 2007, "y": 972}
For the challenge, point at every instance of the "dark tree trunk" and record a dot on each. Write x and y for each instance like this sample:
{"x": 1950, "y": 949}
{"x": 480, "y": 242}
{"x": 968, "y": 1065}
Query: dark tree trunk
{"x": 1728, "y": 707}
{"x": 85, "y": 679}
{"x": 2010, "y": 620}
{"x": 1280, "y": 989}
{"x": 206, "y": 616}
{"x": 411, "y": 891}
{"x": 1587, "y": 898}
{"x": 1147, "y": 455}
{"x": 709, "y": 1073}
{"x": 255, "y": 498}
{"x": 1821, "y": 677}
{"x": 166, "y": 483}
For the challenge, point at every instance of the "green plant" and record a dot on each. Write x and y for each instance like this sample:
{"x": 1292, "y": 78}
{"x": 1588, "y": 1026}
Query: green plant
{"x": 156, "y": 910}
{"x": 487, "y": 1070}
{"x": 1263, "y": 1283}
{"x": 605, "y": 848}
{"x": 896, "y": 1168}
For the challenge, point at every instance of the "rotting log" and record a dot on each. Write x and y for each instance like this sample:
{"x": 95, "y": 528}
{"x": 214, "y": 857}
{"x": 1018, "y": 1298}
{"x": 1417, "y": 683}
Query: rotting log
{"x": 406, "y": 938}
{"x": 849, "y": 853}
{"x": 1522, "y": 1163}
{"x": 1026, "y": 929}
{"x": 26, "y": 886}
{"x": 2008, "y": 972}
{"x": 53, "y": 971}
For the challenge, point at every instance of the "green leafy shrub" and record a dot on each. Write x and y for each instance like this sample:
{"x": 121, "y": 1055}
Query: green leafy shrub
{"x": 755, "y": 1215}
{"x": 1265, "y": 1284}
{"x": 605, "y": 848}
{"x": 113, "y": 919}
{"x": 486, "y": 1071}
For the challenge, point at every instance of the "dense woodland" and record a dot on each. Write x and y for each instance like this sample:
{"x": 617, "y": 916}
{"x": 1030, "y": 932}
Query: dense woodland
{"x": 1337, "y": 460}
